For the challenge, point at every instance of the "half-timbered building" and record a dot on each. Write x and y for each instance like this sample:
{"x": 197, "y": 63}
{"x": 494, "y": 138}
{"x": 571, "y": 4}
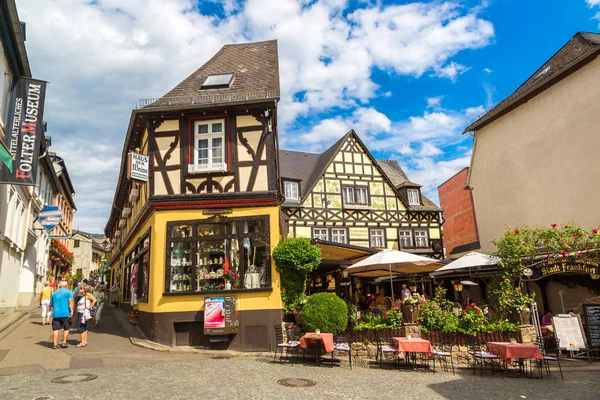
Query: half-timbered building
{"x": 347, "y": 198}
{"x": 199, "y": 222}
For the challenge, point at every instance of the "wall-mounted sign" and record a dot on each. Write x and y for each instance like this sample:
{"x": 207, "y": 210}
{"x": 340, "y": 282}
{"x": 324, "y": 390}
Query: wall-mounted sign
{"x": 564, "y": 265}
{"x": 137, "y": 166}
{"x": 220, "y": 315}
{"x": 24, "y": 132}
{"x": 50, "y": 216}
{"x": 217, "y": 211}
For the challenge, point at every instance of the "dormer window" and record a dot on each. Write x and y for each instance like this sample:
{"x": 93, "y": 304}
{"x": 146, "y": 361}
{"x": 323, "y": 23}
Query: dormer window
{"x": 291, "y": 191}
{"x": 220, "y": 81}
{"x": 413, "y": 197}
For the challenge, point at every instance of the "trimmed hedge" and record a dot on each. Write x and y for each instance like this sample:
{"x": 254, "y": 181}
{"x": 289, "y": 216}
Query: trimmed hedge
{"x": 325, "y": 311}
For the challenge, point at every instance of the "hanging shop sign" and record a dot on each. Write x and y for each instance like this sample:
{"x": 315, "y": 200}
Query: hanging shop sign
{"x": 217, "y": 211}
{"x": 137, "y": 166}
{"x": 24, "y": 132}
{"x": 50, "y": 216}
{"x": 563, "y": 265}
{"x": 220, "y": 315}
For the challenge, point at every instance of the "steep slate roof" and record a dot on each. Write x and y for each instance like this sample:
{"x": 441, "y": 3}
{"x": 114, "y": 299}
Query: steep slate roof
{"x": 256, "y": 77}
{"x": 310, "y": 167}
{"x": 399, "y": 179}
{"x": 580, "y": 50}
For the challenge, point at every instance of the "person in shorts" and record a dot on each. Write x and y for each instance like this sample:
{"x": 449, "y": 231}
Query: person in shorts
{"x": 86, "y": 302}
{"x": 62, "y": 305}
{"x": 45, "y": 295}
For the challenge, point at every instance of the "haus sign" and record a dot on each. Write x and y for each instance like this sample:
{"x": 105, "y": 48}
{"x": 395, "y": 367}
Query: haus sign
{"x": 50, "y": 216}
{"x": 137, "y": 167}
{"x": 564, "y": 265}
{"x": 24, "y": 133}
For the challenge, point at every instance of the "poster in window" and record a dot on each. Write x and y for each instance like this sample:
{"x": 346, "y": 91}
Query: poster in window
{"x": 220, "y": 315}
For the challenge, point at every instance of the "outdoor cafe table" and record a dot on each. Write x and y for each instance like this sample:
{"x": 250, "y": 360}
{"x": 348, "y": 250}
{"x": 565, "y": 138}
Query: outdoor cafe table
{"x": 508, "y": 351}
{"x": 412, "y": 346}
{"x": 312, "y": 337}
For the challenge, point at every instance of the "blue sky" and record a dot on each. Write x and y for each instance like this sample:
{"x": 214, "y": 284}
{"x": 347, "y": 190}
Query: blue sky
{"x": 407, "y": 76}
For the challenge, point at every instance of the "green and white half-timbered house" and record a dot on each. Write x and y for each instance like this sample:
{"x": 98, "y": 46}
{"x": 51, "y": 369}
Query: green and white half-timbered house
{"x": 355, "y": 204}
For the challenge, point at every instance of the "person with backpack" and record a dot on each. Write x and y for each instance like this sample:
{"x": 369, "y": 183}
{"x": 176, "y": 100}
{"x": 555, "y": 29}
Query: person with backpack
{"x": 85, "y": 309}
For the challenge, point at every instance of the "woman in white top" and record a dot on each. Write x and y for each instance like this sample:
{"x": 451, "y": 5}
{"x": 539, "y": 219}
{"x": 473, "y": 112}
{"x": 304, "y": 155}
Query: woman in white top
{"x": 85, "y": 303}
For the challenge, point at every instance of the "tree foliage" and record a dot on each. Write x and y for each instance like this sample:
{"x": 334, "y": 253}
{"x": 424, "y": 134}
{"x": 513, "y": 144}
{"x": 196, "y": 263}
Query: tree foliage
{"x": 523, "y": 247}
{"x": 294, "y": 259}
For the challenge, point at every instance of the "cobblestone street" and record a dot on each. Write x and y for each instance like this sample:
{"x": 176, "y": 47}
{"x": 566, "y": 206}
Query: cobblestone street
{"x": 125, "y": 371}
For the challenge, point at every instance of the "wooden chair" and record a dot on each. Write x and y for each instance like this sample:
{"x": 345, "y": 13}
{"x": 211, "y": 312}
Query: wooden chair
{"x": 293, "y": 345}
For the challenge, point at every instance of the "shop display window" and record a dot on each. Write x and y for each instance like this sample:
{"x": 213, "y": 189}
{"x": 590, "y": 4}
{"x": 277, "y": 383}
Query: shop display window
{"x": 218, "y": 253}
{"x": 137, "y": 271}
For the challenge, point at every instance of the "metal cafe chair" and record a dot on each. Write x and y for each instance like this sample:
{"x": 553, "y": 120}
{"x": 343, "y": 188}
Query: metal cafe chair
{"x": 293, "y": 345}
{"x": 550, "y": 348}
{"x": 442, "y": 351}
{"x": 481, "y": 357}
{"x": 342, "y": 343}
{"x": 384, "y": 347}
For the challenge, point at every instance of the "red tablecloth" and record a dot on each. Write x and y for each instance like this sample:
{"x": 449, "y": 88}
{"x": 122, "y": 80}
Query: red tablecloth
{"x": 507, "y": 351}
{"x": 413, "y": 345}
{"x": 311, "y": 337}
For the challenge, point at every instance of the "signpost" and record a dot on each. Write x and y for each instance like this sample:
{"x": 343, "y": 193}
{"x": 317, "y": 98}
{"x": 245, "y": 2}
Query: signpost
{"x": 50, "y": 216}
{"x": 137, "y": 166}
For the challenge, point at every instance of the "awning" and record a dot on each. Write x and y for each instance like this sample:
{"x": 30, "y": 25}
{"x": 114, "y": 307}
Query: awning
{"x": 332, "y": 251}
{"x": 468, "y": 263}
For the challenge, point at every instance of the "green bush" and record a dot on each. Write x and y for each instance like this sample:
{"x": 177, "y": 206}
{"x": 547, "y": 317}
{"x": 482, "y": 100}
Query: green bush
{"x": 294, "y": 258}
{"x": 326, "y": 312}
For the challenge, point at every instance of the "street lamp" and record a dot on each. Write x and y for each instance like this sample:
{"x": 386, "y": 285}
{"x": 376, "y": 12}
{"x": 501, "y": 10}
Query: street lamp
{"x": 413, "y": 287}
{"x": 458, "y": 286}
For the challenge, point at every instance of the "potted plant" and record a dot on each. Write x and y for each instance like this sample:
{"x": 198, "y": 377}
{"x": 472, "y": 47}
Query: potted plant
{"x": 230, "y": 277}
{"x": 522, "y": 309}
{"x": 410, "y": 308}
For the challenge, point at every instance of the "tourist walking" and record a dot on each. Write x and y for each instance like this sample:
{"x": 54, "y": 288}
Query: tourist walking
{"x": 45, "y": 296}
{"x": 62, "y": 304}
{"x": 100, "y": 296}
{"x": 84, "y": 306}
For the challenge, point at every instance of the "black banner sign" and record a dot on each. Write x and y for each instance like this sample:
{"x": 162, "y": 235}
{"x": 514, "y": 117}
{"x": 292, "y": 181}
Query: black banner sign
{"x": 564, "y": 265}
{"x": 24, "y": 132}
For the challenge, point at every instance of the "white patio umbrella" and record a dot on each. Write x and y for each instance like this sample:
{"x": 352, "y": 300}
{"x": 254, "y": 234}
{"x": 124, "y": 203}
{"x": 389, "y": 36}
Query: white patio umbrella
{"x": 392, "y": 262}
{"x": 467, "y": 262}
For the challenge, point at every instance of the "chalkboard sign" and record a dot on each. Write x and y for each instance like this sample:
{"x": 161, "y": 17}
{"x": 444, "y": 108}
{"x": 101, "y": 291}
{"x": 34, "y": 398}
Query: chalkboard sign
{"x": 592, "y": 316}
{"x": 220, "y": 315}
{"x": 570, "y": 332}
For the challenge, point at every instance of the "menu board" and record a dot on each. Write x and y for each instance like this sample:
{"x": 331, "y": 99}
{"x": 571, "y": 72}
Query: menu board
{"x": 220, "y": 315}
{"x": 570, "y": 332}
{"x": 592, "y": 315}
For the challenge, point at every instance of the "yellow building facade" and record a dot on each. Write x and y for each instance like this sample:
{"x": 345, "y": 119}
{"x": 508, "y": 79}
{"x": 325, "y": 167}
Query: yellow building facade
{"x": 191, "y": 244}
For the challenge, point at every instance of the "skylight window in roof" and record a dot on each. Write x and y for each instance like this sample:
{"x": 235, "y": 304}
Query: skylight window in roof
{"x": 220, "y": 81}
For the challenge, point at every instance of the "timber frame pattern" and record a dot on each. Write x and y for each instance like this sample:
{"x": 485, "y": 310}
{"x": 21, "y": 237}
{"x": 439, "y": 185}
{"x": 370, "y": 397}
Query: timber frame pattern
{"x": 322, "y": 206}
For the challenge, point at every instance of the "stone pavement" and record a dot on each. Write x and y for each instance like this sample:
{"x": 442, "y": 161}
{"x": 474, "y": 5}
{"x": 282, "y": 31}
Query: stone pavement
{"x": 125, "y": 371}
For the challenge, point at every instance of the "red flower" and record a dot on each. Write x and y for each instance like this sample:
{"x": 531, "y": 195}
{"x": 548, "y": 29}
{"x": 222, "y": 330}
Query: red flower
{"x": 589, "y": 237}
{"x": 580, "y": 234}
{"x": 473, "y": 304}
{"x": 564, "y": 253}
{"x": 574, "y": 235}
{"x": 553, "y": 225}
{"x": 580, "y": 255}
{"x": 595, "y": 230}
{"x": 560, "y": 234}
{"x": 566, "y": 226}
{"x": 517, "y": 231}
{"x": 478, "y": 311}
{"x": 385, "y": 313}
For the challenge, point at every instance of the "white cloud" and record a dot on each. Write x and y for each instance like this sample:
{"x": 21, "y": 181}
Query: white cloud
{"x": 405, "y": 150}
{"x": 429, "y": 150}
{"x": 593, "y": 3}
{"x": 487, "y": 70}
{"x": 102, "y": 56}
{"x": 434, "y": 101}
{"x": 451, "y": 71}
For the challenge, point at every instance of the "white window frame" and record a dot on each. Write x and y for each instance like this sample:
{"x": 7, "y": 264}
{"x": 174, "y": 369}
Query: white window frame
{"x": 421, "y": 238}
{"x": 355, "y": 197}
{"x": 211, "y": 166}
{"x": 320, "y": 233}
{"x": 413, "y": 197}
{"x": 346, "y": 193}
{"x": 405, "y": 234}
{"x": 377, "y": 237}
{"x": 361, "y": 195}
{"x": 338, "y": 235}
{"x": 291, "y": 190}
